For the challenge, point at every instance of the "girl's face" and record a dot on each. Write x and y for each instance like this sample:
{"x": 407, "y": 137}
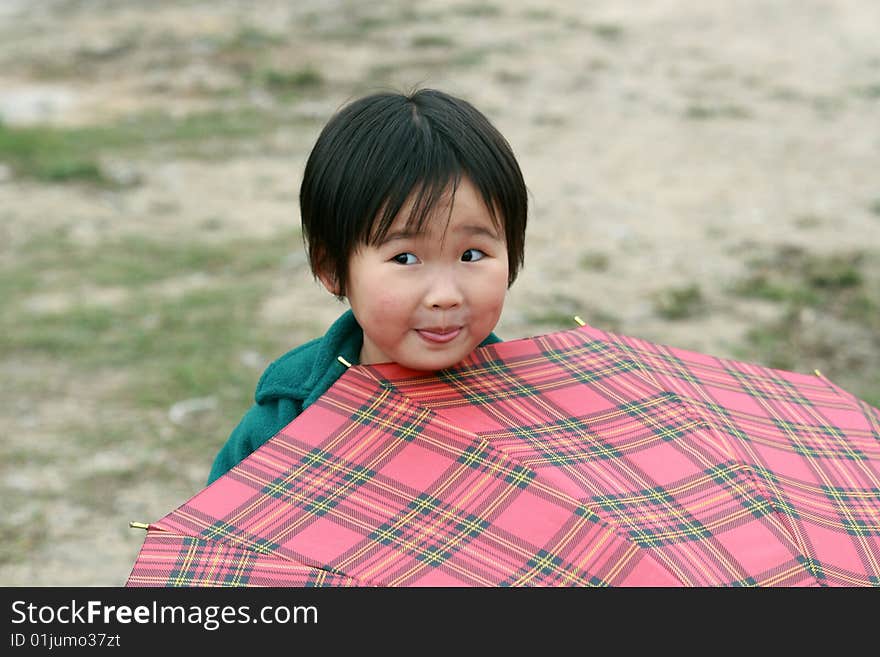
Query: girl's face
{"x": 426, "y": 300}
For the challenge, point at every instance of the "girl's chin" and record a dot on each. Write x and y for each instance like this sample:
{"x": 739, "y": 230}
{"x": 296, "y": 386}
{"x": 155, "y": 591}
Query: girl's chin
{"x": 431, "y": 362}
{"x": 424, "y": 353}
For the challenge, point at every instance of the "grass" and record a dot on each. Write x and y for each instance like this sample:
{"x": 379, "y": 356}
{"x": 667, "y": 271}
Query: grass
{"x": 427, "y": 65}
{"x": 795, "y": 277}
{"x": 551, "y": 320}
{"x": 60, "y": 154}
{"x": 828, "y": 107}
{"x": 250, "y": 37}
{"x": 130, "y": 360}
{"x": 607, "y": 31}
{"x": 829, "y": 316}
{"x": 808, "y": 221}
{"x": 180, "y": 346}
{"x": 594, "y": 261}
{"x": 557, "y": 311}
{"x": 704, "y": 112}
{"x": 680, "y": 302}
{"x": 139, "y": 260}
{"x": 870, "y": 91}
{"x": 358, "y": 22}
{"x": 432, "y": 41}
{"x": 21, "y": 537}
{"x": 602, "y": 319}
{"x": 511, "y": 77}
{"x": 52, "y": 154}
{"x": 289, "y": 83}
{"x": 478, "y": 10}
{"x": 467, "y": 58}
{"x": 539, "y": 14}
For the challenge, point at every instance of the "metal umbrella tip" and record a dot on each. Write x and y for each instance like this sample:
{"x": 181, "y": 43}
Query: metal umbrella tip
{"x": 579, "y": 321}
{"x": 138, "y": 525}
{"x": 343, "y": 361}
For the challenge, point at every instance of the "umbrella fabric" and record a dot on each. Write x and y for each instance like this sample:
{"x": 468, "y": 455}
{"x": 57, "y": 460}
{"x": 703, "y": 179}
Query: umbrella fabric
{"x": 729, "y": 472}
{"x": 367, "y": 488}
{"x": 575, "y": 458}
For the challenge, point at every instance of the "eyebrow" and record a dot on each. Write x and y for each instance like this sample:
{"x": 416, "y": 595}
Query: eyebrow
{"x": 469, "y": 229}
{"x": 475, "y": 229}
{"x": 398, "y": 235}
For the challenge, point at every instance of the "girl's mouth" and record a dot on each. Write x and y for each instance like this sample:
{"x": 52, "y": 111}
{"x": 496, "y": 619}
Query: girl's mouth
{"x": 439, "y": 335}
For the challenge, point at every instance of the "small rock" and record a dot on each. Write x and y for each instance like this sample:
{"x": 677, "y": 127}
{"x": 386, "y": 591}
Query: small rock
{"x": 250, "y": 358}
{"x": 183, "y": 410}
{"x": 35, "y": 104}
{"x": 105, "y": 47}
{"x": 120, "y": 173}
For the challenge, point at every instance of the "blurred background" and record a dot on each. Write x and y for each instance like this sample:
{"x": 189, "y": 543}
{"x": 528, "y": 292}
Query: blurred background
{"x": 702, "y": 174}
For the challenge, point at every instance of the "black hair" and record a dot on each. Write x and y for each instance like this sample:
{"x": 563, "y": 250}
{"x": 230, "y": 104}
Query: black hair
{"x": 380, "y": 150}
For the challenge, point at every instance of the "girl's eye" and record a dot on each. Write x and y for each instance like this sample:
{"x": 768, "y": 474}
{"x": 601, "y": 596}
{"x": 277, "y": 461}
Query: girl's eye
{"x": 405, "y": 259}
{"x": 472, "y": 255}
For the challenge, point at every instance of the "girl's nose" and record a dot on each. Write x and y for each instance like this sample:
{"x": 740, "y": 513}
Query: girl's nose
{"x": 444, "y": 292}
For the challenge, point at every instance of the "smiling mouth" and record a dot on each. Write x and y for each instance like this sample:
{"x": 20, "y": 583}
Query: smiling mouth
{"x": 439, "y": 335}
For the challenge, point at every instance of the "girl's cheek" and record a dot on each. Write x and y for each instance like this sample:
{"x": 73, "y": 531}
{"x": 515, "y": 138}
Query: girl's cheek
{"x": 387, "y": 304}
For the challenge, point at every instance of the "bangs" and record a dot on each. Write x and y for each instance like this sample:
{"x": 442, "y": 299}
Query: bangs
{"x": 426, "y": 177}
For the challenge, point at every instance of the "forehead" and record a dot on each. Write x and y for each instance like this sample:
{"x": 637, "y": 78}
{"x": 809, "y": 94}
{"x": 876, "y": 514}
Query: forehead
{"x": 462, "y": 208}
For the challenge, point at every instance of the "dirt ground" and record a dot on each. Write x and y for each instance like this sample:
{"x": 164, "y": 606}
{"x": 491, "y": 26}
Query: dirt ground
{"x": 671, "y": 148}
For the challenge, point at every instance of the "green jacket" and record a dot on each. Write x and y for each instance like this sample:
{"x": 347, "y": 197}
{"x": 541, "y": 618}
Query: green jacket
{"x": 290, "y": 384}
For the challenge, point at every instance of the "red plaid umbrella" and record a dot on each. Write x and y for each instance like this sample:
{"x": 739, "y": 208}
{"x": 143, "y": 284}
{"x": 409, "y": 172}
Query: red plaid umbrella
{"x": 575, "y": 458}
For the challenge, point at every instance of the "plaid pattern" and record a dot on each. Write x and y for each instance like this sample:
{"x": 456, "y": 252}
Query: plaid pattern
{"x": 371, "y": 488}
{"x": 729, "y": 473}
{"x": 170, "y": 559}
{"x": 575, "y": 458}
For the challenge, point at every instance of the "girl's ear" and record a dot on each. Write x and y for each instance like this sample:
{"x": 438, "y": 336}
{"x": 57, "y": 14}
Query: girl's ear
{"x": 324, "y": 273}
{"x": 328, "y": 280}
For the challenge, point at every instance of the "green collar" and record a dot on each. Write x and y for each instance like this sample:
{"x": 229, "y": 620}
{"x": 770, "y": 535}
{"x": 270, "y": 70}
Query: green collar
{"x": 306, "y": 372}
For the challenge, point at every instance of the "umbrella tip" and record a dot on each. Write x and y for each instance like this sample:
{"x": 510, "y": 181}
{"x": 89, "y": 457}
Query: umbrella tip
{"x": 818, "y": 373}
{"x": 138, "y": 525}
{"x": 579, "y": 321}
{"x": 343, "y": 361}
